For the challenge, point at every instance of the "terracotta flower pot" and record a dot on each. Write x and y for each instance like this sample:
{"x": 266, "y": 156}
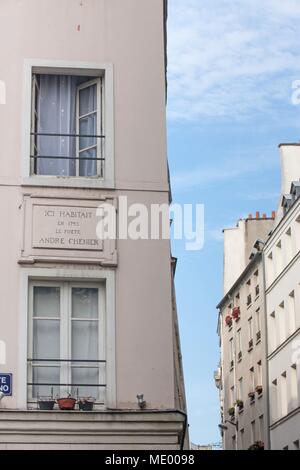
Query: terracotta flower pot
{"x": 66, "y": 403}
{"x": 236, "y": 313}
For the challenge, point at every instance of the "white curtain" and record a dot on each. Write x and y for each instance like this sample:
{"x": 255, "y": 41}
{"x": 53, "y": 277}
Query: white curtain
{"x": 56, "y": 112}
{"x": 57, "y": 115}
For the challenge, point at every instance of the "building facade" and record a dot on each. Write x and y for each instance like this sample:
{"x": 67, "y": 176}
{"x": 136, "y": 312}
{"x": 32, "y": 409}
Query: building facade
{"x": 241, "y": 377}
{"x": 282, "y": 267}
{"x": 94, "y": 319}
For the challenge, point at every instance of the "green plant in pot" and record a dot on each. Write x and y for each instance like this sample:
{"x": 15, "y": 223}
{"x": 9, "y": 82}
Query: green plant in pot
{"x": 240, "y": 404}
{"x": 67, "y": 404}
{"x": 231, "y": 411}
{"x": 86, "y": 404}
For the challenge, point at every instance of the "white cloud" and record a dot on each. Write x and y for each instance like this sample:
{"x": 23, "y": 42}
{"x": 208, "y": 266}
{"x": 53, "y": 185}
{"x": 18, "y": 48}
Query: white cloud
{"x": 231, "y": 58}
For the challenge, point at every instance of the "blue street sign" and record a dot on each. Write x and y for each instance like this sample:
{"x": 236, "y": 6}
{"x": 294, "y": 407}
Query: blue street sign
{"x": 6, "y": 384}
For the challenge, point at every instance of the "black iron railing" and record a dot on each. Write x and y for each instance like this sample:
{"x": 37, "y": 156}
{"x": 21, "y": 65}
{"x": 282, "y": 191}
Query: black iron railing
{"x": 37, "y": 362}
{"x": 36, "y": 157}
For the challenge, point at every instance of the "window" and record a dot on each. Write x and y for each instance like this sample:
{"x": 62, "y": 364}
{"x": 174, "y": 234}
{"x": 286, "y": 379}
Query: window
{"x": 261, "y": 428}
{"x": 242, "y": 438}
{"x": 259, "y": 373}
{"x": 239, "y": 344}
{"x": 272, "y": 333}
{"x": 296, "y": 445}
{"x": 232, "y": 398}
{"x": 253, "y": 432}
{"x": 258, "y": 325}
{"x": 66, "y": 340}
{"x": 282, "y": 322}
{"x": 252, "y": 379}
{"x": 250, "y": 332}
{"x": 283, "y": 391}
{"x": 231, "y": 353}
{"x": 274, "y": 401}
{"x": 240, "y": 389}
{"x": 294, "y": 387}
{"x": 67, "y": 126}
{"x": 291, "y": 313}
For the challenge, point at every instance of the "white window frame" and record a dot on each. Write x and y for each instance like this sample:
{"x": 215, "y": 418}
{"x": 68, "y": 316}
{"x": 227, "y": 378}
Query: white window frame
{"x": 66, "y": 329}
{"x": 99, "y": 125}
{"x": 106, "y": 276}
{"x": 91, "y": 69}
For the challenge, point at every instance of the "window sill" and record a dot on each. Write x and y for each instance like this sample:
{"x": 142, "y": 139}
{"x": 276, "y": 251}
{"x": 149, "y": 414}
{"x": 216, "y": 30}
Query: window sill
{"x": 241, "y": 411}
{"x": 258, "y": 341}
{"x": 68, "y": 182}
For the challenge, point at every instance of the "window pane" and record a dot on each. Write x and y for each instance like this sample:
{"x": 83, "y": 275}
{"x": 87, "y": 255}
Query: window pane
{"x": 49, "y": 375}
{"x": 56, "y": 116}
{"x": 84, "y": 340}
{"x": 88, "y": 126}
{"x": 85, "y": 302}
{"x": 88, "y": 100}
{"x": 88, "y": 167}
{"x": 46, "y": 301}
{"x": 82, "y": 375}
{"x": 46, "y": 339}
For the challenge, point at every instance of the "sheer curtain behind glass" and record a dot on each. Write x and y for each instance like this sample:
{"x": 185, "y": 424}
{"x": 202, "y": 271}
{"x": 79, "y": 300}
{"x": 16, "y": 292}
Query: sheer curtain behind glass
{"x": 56, "y": 115}
{"x": 85, "y": 334}
{"x": 56, "y": 108}
{"x": 46, "y": 339}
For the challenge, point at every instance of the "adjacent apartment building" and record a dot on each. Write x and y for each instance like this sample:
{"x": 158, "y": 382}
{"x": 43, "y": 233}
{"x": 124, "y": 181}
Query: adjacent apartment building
{"x": 259, "y": 324}
{"x": 282, "y": 267}
{"x": 241, "y": 377}
{"x": 94, "y": 320}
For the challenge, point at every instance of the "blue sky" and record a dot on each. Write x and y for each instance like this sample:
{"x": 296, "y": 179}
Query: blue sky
{"x": 231, "y": 68}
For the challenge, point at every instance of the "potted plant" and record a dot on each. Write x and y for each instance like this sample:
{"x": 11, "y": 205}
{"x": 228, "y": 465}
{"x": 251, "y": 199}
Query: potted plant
{"x": 251, "y": 395}
{"x": 258, "y": 445}
{"x": 86, "y": 404}
{"x": 236, "y": 313}
{"x": 240, "y": 404}
{"x": 259, "y": 389}
{"x": 46, "y": 403}
{"x": 231, "y": 412}
{"x": 67, "y": 403}
{"x": 228, "y": 320}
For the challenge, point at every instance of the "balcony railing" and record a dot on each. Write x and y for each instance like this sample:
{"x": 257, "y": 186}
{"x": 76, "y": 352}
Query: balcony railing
{"x": 35, "y": 157}
{"x": 72, "y": 388}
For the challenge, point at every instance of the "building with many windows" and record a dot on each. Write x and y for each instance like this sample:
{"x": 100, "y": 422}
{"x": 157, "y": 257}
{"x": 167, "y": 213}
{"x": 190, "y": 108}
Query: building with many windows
{"x": 82, "y": 318}
{"x": 241, "y": 378}
{"x": 259, "y": 325}
{"x": 282, "y": 267}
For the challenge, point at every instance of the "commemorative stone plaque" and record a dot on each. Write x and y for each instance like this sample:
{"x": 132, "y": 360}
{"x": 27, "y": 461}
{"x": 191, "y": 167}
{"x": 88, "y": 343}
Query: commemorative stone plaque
{"x": 67, "y": 228}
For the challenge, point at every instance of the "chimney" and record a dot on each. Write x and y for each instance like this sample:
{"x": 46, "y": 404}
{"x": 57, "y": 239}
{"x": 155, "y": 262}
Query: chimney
{"x": 264, "y": 216}
{"x": 290, "y": 166}
{"x": 250, "y": 216}
{"x": 257, "y": 215}
{"x": 273, "y": 215}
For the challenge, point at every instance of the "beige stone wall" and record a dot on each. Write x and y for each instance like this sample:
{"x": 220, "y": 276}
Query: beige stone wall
{"x": 129, "y": 35}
